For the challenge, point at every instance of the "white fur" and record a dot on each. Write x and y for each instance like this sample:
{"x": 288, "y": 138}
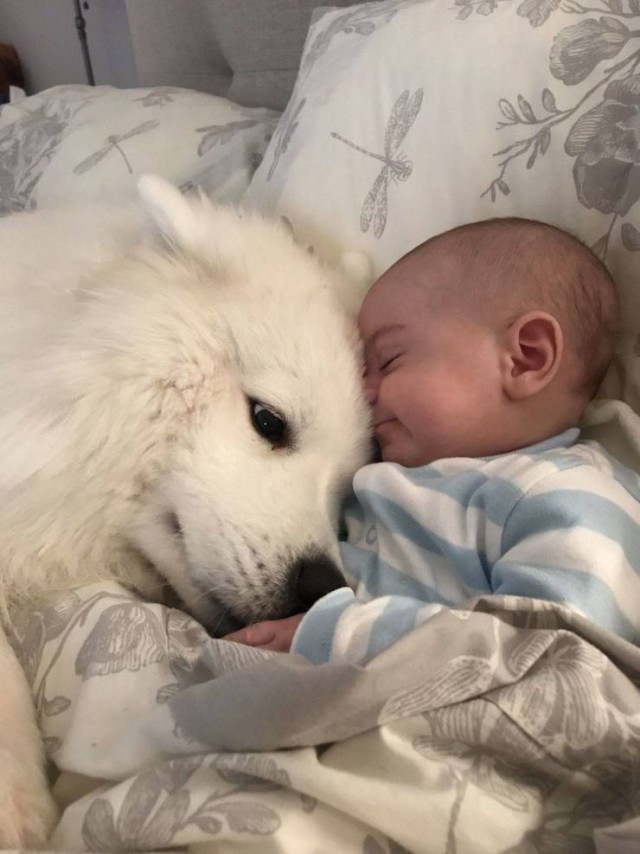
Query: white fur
{"x": 130, "y": 344}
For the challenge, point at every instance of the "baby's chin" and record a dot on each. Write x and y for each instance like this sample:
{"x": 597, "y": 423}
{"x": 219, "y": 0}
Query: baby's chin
{"x": 397, "y": 445}
{"x": 411, "y": 458}
{"x": 409, "y": 461}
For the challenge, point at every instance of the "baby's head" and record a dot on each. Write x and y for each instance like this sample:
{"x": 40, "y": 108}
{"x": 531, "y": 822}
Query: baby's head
{"x": 486, "y": 339}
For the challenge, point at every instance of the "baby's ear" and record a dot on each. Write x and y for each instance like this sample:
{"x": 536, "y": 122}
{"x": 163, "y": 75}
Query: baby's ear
{"x": 355, "y": 278}
{"x": 533, "y": 353}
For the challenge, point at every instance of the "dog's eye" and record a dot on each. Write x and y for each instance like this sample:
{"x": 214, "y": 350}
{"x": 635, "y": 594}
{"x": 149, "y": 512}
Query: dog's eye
{"x": 267, "y": 423}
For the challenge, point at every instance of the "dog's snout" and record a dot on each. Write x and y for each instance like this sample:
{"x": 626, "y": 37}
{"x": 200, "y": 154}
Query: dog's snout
{"x": 314, "y": 576}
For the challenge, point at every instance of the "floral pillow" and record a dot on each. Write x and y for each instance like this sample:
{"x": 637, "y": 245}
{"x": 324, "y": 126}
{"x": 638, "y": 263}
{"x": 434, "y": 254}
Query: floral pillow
{"x": 410, "y": 117}
{"x": 74, "y": 142}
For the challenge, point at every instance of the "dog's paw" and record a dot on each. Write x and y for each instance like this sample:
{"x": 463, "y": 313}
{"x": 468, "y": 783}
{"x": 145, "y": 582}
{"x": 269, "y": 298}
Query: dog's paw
{"x": 27, "y": 810}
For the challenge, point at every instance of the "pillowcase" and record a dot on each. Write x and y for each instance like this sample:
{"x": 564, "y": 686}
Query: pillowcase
{"x": 77, "y": 142}
{"x": 410, "y": 117}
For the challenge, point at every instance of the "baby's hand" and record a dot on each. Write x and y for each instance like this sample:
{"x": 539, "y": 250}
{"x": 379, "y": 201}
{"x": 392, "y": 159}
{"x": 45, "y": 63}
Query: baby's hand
{"x": 271, "y": 634}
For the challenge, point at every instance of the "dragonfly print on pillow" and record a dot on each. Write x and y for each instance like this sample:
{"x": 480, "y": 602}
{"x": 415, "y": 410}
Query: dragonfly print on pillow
{"x": 114, "y": 143}
{"x": 357, "y": 23}
{"x": 395, "y": 165}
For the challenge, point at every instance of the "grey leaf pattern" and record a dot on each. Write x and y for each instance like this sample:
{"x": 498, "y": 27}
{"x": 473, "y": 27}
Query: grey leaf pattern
{"x": 526, "y": 109}
{"x": 166, "y": 821}
{"x": 138, "y": 825}
{"x": 158, "y": 805}
{"x": 30, "y": 646}
{"x": 251, "y": 771}
{"x": 247, "y": 817}
{"x": 606, "y": 152}
{"x": 528, "y": 651}
{"x": 177, "y": 772}
{"x": 559, "y": 697}
{"x": 458, "y": 734}
{"x": 515, "y": 710}
{"x": 126, "y": 637}
{"x": 508, "y": 111}
{"x": 187, "y": 639}
{"x": 453, "y": 684}
{"x": 51, "y": 745}
{"x": 58, "y": 614}
{"x": 141, "y": 798}
{"x": 537, "y": 11}
{"x": 25, "y": 155}
{"x": 207, "y": 823}
{"x": 578, "y": 49}
{"x": 549, "y": 101}
{"x": 98, "y": 828}
{"x": 56, "y": 706}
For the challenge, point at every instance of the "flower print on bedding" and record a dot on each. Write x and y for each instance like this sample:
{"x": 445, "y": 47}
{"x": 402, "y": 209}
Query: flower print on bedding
{"x": 600, "y": 124}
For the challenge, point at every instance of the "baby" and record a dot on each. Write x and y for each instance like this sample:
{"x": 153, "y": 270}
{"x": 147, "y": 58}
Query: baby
{"x": 483, "y": 346}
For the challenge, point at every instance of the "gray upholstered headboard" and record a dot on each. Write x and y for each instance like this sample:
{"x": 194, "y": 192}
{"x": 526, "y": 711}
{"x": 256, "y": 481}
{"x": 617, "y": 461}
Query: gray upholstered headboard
{"x": 247, "y": 50}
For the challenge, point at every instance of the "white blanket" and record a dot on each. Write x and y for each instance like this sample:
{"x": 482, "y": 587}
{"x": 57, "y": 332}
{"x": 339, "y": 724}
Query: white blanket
{"x": 511, "y": 726}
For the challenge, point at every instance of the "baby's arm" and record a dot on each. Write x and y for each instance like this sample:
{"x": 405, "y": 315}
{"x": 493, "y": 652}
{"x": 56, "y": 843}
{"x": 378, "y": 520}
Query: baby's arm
{"x": 338, "y": 628}
{"x": 574, "y": 538}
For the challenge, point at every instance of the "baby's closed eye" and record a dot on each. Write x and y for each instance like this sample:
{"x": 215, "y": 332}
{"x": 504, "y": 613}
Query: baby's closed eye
{"x": 388, "y": 363}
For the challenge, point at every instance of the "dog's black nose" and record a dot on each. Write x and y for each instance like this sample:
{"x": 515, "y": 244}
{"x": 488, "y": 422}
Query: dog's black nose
{"x": 314, "y": 576}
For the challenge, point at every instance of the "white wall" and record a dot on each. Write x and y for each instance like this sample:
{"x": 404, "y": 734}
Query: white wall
{"x": 45, "y": 36}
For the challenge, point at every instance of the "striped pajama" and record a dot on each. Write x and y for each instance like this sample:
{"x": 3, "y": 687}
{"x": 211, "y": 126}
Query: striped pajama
{"x": 558, "y": 521}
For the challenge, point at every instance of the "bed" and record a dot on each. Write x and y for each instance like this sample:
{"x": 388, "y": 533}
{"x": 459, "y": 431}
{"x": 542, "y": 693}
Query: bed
{"x": 509, "y": 726}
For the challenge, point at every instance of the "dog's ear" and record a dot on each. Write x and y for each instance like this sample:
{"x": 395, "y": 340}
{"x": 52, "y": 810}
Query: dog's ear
{"x": 355, "y": 278}
{"x": 169, "y": 212}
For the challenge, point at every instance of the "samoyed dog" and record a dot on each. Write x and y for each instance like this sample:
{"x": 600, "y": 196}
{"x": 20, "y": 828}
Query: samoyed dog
{"x": 180, "y": 406}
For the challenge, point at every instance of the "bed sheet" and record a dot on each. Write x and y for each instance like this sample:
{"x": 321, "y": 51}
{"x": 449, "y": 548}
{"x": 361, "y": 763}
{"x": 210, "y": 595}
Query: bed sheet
{"x": 507, "y": 726}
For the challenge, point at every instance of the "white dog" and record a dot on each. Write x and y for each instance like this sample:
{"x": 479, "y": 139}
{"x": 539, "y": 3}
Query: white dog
{"x": 180, "y": 403}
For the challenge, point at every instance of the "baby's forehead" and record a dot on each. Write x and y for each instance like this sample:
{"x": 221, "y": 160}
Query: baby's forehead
{"x": 392, "y": 300}
{"x": 395, "y": 286}
{"x": 419, "y": 282}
